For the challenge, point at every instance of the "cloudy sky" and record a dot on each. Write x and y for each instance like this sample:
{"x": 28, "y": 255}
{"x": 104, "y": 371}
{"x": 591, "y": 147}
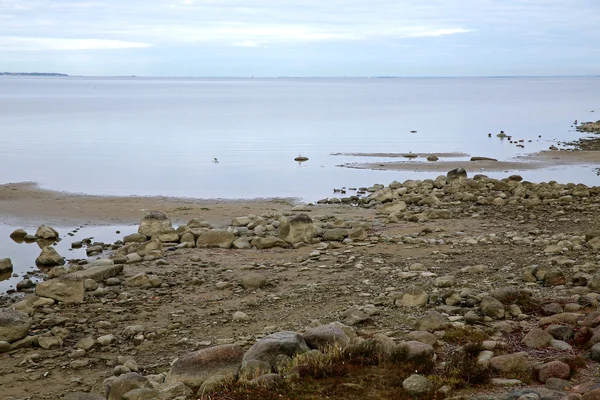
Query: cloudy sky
{"x": 301, "y": 37}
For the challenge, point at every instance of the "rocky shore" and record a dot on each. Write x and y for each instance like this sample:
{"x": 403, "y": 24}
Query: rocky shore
{"x": 451, "y": 288}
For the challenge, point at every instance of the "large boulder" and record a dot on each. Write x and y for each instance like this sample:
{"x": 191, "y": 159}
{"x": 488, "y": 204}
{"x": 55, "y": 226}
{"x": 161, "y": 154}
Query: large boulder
{"x": 47, "y": 233}
{"x": 126, "y": 383}
{"x": 216, "y": 238}
{"x": 14, "y": 325}
{"x": 154, "y": 223}
{"x": 326, "y": 335}
{"x": 5, "y": 265}
{"x": 511, "y": 363}
{"x": 196, "y": 367}
{"x": 268, "y": 348}
{"x": 491, "y": 307}
{"x": 298, "y": 229}
{"x": 66, "y": 289}
{"x": 150, "y": 247}
{"x": 392, "y": 208}
{"x": 49, "y": 257}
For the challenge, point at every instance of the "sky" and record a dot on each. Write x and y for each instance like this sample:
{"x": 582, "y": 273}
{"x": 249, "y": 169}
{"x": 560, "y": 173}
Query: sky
{"x": 267, "y": 38}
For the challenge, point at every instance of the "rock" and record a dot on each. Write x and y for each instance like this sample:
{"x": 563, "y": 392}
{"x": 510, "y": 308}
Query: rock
{"x": 167, "y": 236}
{"x": 416, "y": 351}
{"x": 537, "y": 338}
{"x": 269, "y": 243}
{"x": 456, "y": 174}
{"x": 126, "y": 383}
{"x": 5, "y": 347}
{"x": 135, "y": 238}
{"x": 98, "y": 273}
{"x": 413, "y": 297}
{"x": 326, "y": 335}
{"x": 140, "y": 280}
{"x": 483, "y": 159}
{"x": 334, "y": 235}
{"x": 50, "y": 342}
{"x": 491, "y": 307}
{"x": 298, "y": 229}
{"x": 595, "y": 352}
{"x": 445, "y": 281}
{"x": 25, "y": 284}
{"x": 239, "y": 316}
{"x": 154, "y": 223}
{"x": 511, "y": 363}
{"x": 18, "y": 235}
{"x": 5, "y": 265}
{"x": 423, "y": 337}
{"x": 211, "y": 385}
{"x": 254, "y": 281}
{"x": 553, "y": 369}
{"x": 555, "y": 278}
{"x": 358, "y": 234}
{"x": 177, "y": 389}
{"x": 216, "y": 239}
{"x": 153, "y": 246}
{"x": 591, "y": 395}
{"x": 594, "y": 243}
{"x": 46, "y": 232}
{"x": 85, "y": 343}
{"x": 266, "y": 380}
{"x": 392, "y": 208}
{"x": 268, "y": 348}
{"x": 253, "y": 369}
{"x": 14, "y": 325}
{"x": 433, "y": 321}
{"x": 196, "y": 367}
{"x": 63, "y": 289}
{"x": 432, "y": 158}
{"x": 106, "y": 340}
{"x": 141, "y": 394}
{"x": 83, "y": 396}
{"x": 49, "y": 258}
{"x": 417, "y": 385}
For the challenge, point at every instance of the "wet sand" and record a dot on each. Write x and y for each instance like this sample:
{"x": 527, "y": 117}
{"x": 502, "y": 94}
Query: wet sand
{"x": 403, "y": 155}
{"x": 544, "y": 159}
{"x": 27, "y": 202}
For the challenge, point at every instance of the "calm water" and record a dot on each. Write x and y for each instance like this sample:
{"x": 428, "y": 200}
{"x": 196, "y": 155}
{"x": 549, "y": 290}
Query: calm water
{"x": 159, "y": 136}
{"x": 23, "y": 255}
{"x": 124, "y": 136}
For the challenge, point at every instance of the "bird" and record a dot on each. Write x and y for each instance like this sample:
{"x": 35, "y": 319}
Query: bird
{"x": 215, "y": 160}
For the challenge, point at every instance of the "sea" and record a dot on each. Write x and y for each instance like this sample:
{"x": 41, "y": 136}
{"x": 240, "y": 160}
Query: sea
{"x": 238, "y": 138}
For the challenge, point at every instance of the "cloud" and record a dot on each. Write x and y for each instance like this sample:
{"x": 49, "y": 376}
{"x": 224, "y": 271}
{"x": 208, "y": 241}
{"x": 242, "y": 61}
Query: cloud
{"x": 18, "y": 43}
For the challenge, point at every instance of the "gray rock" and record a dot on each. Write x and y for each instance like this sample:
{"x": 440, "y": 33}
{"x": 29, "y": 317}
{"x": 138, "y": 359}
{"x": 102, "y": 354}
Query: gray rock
{"x": 135, "y": 238}
{"x": 46, "y": 232}
{"x": 177, "y": 389}
{"x": 154, "y": 223}
{"x": 553, "y": 369}
{"x": 537, "y": 338}
{"x": 49, "y": 257}
{"x": 334, "y": 235}
{"x": 141, "y": 394}
{"x": 417, "y": 385}
{"x": 14, "y": 325}
{"x": 216, "y": 239}
{"x": 18, "y": 235}
{"x": 126, "y": 383}
{"x": 413, "y": 297}
{"x": 253, "y": 369}
{"x": 298, "y": 229}
{"x": 268, "y": 348}
{"x": 211, "y": 385}
{"x": 83, "y": 396}
{"x": 50, "y": 342}
{"x": 458, "y": 174}
{"x": 491, "y": 307}
{"x": 63, "y": 289}
{"x": 196, "y": 367}
{"x": 433, "y": 321}
{"x": 269, "y": 243}
{"x": 417, "y": 350}
{"x": 254, "y": 281}
{"x": 25, "y": 284}
{"x": 595, "y": 352}
{"x": 326, "y": 335}
{"x": 511, "y": 363}
{"x": 5, "y": 265}
{"x": 5, "y": 347}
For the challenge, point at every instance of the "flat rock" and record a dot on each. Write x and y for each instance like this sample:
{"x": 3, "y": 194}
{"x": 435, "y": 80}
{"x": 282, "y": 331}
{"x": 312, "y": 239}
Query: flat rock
{"x": 65, "y": 289}
{"x": 126, "y": 383}
{"x": 268, "y": 348}
{"x": 98, "y": 273}
{"x": 325, "y": 335}
{"x": 216, "y": 239}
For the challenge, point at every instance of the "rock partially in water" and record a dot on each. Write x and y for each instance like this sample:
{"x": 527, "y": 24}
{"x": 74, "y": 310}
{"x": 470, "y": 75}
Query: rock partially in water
{"x": 47, "y": 233}
{"x": 49, "y": 258}
{"x": 5, "y": 265}
{"x": 154, "y": 223}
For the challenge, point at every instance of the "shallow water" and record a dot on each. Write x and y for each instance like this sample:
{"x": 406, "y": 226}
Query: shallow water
{"x": 23, "y": 255}
{"x": 124, "y": 136}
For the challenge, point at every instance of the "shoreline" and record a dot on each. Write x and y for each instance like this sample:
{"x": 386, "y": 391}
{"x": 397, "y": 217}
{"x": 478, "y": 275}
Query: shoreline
{"x": 535, "y": 161}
